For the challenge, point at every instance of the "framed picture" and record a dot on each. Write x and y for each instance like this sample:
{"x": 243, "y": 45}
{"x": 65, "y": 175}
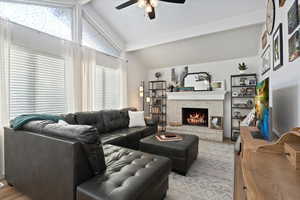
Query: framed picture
{"x": 218, "y": 85}
{"x": 266, "y": 60}
{"x": 216, "y": 123}
{"x": 281, "y": 3}
{"x": 294, "y": 46}
{"x": 264, "y": 40}
{"x": 293, "y": 17}
{"x": 277, "y": 48}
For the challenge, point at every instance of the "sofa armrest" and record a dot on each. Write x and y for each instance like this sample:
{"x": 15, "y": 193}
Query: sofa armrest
{"x": 44, "y": 167}
{"x": 150, "y": 122}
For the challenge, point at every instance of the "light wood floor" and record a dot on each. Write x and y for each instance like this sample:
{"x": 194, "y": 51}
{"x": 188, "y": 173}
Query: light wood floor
{"x": 9, "y": 193}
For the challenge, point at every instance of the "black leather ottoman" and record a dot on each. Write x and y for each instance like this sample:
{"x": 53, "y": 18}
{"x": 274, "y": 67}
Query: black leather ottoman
{"x": 182, "y": 153}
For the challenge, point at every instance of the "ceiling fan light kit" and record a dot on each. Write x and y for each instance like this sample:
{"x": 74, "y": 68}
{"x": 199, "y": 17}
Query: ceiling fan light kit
{"x": 148, "y": 5}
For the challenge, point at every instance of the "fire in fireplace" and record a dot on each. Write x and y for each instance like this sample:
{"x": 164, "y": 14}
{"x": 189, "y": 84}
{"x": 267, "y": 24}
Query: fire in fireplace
{"x": 195, "y": 117}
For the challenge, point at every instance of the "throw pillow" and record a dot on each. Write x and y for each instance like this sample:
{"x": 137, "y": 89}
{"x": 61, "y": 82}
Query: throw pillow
{"x": 136, "y": 119}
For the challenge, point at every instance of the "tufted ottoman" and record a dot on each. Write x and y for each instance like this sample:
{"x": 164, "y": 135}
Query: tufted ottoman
{"x": 182, "y": 153}
{"x": 130, "y": 175}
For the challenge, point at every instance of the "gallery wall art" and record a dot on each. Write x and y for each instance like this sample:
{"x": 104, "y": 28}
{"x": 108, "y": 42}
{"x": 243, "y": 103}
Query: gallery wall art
{"x": 293, "y": 17}
{"x": 266, "y": 60}
{"x": 278, "y": 48}
{"x": 294, "y": 46}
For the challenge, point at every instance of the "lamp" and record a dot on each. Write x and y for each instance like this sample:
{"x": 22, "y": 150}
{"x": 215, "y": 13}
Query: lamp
{"x": 141, "y": 93}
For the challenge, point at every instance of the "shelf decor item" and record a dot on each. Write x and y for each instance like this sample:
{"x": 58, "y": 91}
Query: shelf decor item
{"x": 277, "y": 48}
{"x": 242, "y": 67}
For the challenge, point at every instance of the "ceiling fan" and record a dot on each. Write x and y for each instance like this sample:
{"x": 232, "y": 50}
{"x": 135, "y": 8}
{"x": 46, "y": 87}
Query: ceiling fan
{"x": 148, "y": 5}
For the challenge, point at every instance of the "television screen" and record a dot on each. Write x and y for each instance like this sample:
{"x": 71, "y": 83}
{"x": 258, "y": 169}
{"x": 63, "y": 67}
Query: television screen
{"x": 262, "y": 108}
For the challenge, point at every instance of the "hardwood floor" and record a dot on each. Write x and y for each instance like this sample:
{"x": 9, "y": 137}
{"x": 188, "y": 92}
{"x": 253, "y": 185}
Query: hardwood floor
{"x": 9, "y": 193}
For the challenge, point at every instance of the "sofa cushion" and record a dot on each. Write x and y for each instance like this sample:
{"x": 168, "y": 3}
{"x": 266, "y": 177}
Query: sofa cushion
{"x": 129, "y": 175}
{"x": 86, "y": 135}
{"x": 114, "y": 120}
{"x": 70, "y": 118}
{"x": 91, "y": 118}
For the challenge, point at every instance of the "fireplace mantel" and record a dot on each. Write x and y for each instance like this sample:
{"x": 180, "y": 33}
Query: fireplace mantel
{"x": 201, "y": 95}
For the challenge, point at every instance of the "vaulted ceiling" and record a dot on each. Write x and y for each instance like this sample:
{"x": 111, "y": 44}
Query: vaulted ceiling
{"x": 177, "y": 22}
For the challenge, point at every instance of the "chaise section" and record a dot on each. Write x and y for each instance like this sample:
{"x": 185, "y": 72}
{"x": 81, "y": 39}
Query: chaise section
{"x": 130, "y": 175}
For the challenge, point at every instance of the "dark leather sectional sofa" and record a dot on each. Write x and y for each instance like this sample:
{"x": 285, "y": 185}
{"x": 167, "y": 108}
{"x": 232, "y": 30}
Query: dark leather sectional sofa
{"x": 49, "y": 162}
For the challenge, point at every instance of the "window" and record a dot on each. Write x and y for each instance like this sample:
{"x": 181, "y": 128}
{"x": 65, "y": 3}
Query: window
{"x": 51, "y": 20}
{"x": 93, "y": 39}
{"x": 107, "y": 88}
{"x": 36, "y": 83}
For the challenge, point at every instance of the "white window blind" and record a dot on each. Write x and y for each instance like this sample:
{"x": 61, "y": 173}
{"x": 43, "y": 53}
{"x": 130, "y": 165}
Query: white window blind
{"x": 37, "y": 83}
{"x": 107, "y": 88}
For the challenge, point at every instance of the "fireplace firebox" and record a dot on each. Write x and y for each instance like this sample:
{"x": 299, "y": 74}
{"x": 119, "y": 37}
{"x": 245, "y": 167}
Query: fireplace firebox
{"x": 195, "y": 117}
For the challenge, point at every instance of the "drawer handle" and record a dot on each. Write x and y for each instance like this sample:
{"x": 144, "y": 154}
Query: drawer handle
{"x": 287, "y": 154}
{"x": 244, "y": 188}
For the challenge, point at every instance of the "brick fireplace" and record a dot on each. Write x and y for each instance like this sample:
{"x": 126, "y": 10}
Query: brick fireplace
{"x": 194, "y": 110}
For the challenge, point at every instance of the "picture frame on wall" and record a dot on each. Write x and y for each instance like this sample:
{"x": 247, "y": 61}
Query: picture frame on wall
{"x": 293, "y": 17}
{"x": 294, "y": 46}
{"x": 281, "y": 3}
{"x": 277, "y": 48}
{"x": 264, "y": 40}
{"x": 266, "y": 60}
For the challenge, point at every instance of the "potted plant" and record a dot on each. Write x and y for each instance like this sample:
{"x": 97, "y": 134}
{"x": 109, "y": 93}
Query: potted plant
{"x": 242, "y": 67}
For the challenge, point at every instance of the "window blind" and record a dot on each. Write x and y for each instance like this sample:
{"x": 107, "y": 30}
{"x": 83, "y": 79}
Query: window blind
{"x": 37, "y": 83}
{"x": 107, "y": 88}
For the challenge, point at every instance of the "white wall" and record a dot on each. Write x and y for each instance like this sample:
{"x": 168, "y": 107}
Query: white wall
{"x": 137, "y": 72}
{"x": 285, "y": 82}
{"x": 221, "y": 70}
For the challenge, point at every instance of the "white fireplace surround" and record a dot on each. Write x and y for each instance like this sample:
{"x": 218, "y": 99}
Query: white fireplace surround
{"x": 201, "y": 95}
{"x": 212, "y": 100}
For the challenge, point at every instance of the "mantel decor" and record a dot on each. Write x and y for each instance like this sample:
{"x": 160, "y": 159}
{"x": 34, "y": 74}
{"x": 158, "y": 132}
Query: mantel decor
{"x": 200, "y": 81}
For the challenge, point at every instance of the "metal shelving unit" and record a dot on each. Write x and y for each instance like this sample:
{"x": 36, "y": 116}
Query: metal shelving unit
{"x": 236, "y": 86}
{"x": 158, "y": 103}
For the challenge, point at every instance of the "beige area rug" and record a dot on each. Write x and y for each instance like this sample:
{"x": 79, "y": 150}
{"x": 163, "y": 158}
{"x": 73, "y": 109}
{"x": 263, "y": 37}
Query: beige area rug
{"x": 211, "y": 177}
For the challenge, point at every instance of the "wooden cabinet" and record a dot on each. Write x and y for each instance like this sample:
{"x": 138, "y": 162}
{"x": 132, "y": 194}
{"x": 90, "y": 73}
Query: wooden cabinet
{"x": 262, "y": 171}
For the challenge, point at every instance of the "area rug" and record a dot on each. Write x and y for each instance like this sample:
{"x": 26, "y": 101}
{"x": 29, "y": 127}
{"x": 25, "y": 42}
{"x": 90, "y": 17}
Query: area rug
{"x": 211, "y": 177}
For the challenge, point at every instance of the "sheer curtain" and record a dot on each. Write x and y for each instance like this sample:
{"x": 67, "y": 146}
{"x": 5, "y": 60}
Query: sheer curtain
{"x": 5, "y": 41}
{"x": 73, "y": 77}
{"x": 88, "y": 62}
{"x": 123, "y": 67}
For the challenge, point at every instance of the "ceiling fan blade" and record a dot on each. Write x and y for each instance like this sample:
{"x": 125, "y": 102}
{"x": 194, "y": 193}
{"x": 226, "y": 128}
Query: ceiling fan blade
{"x": 174, "y": 1}
{"x": 126, "y": 4}
{"x": 152, "y": 14}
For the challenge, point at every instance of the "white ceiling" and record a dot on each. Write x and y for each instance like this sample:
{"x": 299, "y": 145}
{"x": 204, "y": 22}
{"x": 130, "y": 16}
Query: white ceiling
{"x": 237, "y": 43}
{"x": 176, "y": 22}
